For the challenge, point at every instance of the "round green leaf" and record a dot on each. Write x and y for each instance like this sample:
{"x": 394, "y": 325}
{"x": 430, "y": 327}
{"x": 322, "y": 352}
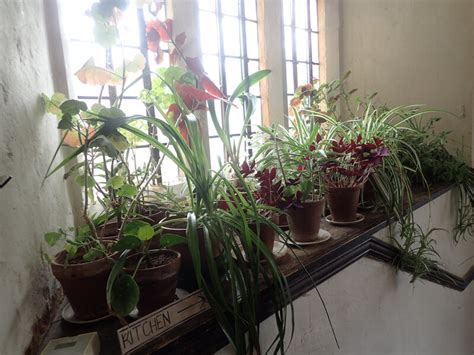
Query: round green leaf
{"x": 116, "y": 182}
{"x": 125, "y": 294}
{"x": 146, "y": 232}
{"x": 128, "y": 190}
{"x": 127, "y": 242}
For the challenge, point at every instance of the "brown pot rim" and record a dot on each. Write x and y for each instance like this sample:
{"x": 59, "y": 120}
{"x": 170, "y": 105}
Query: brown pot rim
{"x": 62, "y": 256}
{"x": 312, "y": 202}
{"x": 346, "y": 188}
{"x": 155, "y": 251}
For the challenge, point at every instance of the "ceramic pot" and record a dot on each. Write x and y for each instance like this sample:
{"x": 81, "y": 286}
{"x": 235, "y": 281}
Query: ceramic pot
{"x": 157, "y": 283}
{"x": 187, "y": 278}
{"x": 267, "y": 233}
{"x": 304, "y": 221}
{"x": 84, "y": 285}
{"x": 343, "y": 202}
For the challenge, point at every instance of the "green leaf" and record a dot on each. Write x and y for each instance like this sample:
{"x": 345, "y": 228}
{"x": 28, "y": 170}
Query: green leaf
{"x": 133, "y": 227}
{"x": 52, "y": 238}
{"x": 71, "y": 249}
{"x": 73, "y": 107}
{"x": 127, "y": 190}
{"x": 125, "y": 294}
{"x": 146, "y": 232}
{"x": 81, "y": 180}
{"x": 115, "y": 182}
{"x": 51, "y": 105}
{"x": 169, "y": 240}
{"x": 119, "y": 141}
{"x": 127, "y": 242}
{"x": 92, "y": 255}
{"x": 66, "y": 122}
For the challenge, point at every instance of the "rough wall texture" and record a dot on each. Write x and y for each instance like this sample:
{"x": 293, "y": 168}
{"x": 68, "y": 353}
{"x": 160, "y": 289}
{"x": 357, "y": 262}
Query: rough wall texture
{"x": 27, "y": 142}
{"x": 413, "y": 51}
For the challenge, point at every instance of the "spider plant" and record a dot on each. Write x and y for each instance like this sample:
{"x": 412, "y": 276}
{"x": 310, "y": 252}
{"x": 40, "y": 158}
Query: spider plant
{"x": 234, "y": 280}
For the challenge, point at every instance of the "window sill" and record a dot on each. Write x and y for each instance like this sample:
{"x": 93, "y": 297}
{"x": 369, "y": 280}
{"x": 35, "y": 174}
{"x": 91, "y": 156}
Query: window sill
{"x": 202, "y": 335}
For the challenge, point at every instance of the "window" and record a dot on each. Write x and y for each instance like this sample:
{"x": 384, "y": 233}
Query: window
{"x": 229, "y": 45}
{"x": 300, "y": 23}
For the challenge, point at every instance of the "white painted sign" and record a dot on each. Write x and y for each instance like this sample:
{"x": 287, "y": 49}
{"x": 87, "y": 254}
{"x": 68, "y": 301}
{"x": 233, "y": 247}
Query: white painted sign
{"x": 148, "y": 328}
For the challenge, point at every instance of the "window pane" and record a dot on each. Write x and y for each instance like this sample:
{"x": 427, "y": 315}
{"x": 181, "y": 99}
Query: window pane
{"x": 313, "y": 9}
{"x": 301, "y": 44}
{"x": 209, "y": 5}
{"x": 315, "y": 71}
{"x": 233, "y": 73}
{"x": 288, "y": 43}
{"x": 315, "y": 47}
{"x": 230, "y": 7}
{"x": 217, "y": 149}
{"x": 289, "y": 78}
{"x": 301, "y": 14}
{"x": 253, "y": 67}
{"x": 251, "y": 9}
{"x": 231, "y": 33}
{"x": 256, "y": 119}
{"x": 236, "y": 119}
{"x": 208, "y": 29}
{"x": 287, "y": 6}
{"x": 211, "y": 65}
{"x": 302, "y": 69}
{"x": 252, "y": 39}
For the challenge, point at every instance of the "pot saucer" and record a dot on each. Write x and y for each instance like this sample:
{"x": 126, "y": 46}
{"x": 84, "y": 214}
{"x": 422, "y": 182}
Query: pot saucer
{"x": 68, "y": 315}
{"x": 279, "y": 251}
{"x": 323, "y": 236}
{"x": 359, "y": 218}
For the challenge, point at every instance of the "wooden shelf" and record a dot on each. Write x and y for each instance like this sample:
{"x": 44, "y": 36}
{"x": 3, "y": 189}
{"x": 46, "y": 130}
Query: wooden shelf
{"x": 202, "y": 335}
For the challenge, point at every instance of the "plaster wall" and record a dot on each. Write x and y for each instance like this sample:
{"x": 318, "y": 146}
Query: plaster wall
{"x": 412, "y": 52}
{"x": 28, "y": 139}
{"x": 375, "y": 310}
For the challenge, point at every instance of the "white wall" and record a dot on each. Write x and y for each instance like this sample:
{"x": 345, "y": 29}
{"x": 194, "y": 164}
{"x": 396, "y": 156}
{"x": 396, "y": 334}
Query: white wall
{"x": 413, "y": 51}
{"x": 376, "y": 311}
{"x": 27, "y": 142}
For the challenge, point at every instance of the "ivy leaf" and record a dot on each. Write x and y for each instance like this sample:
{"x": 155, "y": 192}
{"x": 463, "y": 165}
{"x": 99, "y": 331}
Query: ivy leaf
{"x": 73, "y": 107}
{"x": 127, "y": 242}
{"x": 127, "y": 190}
{"x": 51, "y": 105}
{"x": 125, "y": 294}
{"x": 115, "y": 182}
{"x": 52, "y": 238}
{"x": 136, "y": 64}
{"x": 119, "y": 141}
{"x": 146, "y": 232}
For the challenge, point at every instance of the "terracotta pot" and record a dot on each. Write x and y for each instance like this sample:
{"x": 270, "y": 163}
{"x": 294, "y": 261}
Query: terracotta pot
{"x": 304, "y": 221}
{"x": 84, "y": 285}
{"x": 283, "y": 221}
{"x": 186, "y": 274}
{"x": 157, "y": 284}
{"x": 267, "y": 233}
{"x": 343, "y": 202}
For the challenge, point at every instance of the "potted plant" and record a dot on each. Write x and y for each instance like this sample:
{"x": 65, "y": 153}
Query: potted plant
{"x": 142, "y": 277}
{"x": 298, "y": 154}
{"x": 347, "y": 169}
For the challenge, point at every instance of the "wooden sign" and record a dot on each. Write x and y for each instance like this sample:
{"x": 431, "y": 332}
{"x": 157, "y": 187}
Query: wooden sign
{"x": 148, "y": 328}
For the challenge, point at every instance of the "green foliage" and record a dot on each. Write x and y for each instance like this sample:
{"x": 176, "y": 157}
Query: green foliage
{"x": 125, "y": 294}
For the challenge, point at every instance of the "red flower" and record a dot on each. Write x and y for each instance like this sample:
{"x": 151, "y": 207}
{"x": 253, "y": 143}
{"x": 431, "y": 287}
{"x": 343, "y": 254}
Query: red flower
{"x": 175, "y": 114}
{"x": 192, "y": 97}
{"x": 295, "y": 102}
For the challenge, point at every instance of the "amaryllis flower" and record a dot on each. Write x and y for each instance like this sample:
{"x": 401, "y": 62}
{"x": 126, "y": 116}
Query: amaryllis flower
{"x": 174, "y": 113}
{"x": 192, "y": 97}
{"x": 306, "y": 89}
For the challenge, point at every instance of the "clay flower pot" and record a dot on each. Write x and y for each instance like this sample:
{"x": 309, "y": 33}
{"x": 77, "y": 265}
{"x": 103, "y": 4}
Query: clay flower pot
{"x": 187, "y": 278}
{"x": 157, "y": 280}
{"x": 304, "y": 222}
{"x": 368, "y": 194}
{"x": 343, "y": 202}
{"x": 84, "y": 285}
{"x": 267, "y": 233}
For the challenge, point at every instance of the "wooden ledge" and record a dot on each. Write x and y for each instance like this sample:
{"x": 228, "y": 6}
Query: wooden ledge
{"x": 202, "y": 335}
